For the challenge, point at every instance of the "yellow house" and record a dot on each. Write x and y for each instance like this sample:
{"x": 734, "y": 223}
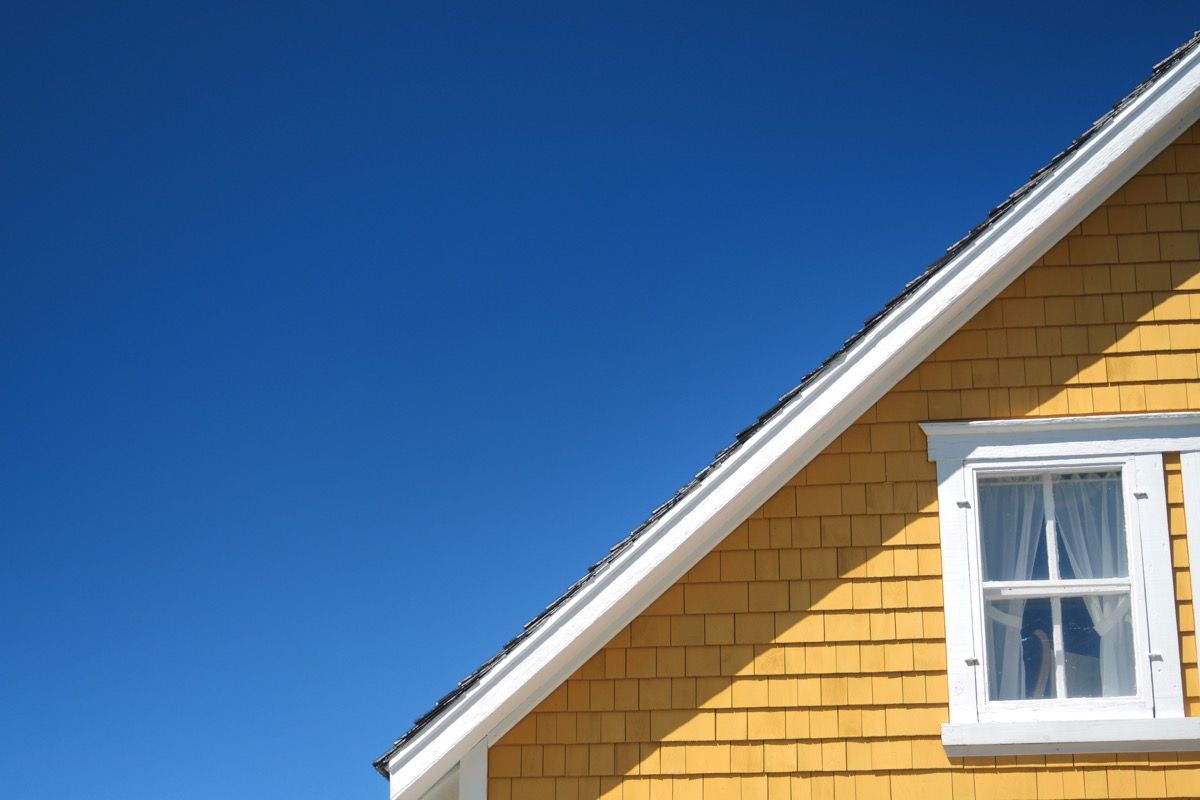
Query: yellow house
{"x": 954, "y": 562}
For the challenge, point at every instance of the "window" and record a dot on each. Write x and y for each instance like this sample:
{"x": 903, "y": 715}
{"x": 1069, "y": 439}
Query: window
{"x": 1060, "y": 609}
{"x": 1059, "y": 585}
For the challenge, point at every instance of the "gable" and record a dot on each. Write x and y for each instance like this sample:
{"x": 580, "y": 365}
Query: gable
{"x": 807, "y": 652}
{"x": 798, "y": 430}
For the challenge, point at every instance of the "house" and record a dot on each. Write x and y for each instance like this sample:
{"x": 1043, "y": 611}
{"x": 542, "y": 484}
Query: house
{"x": 953, "y": 562}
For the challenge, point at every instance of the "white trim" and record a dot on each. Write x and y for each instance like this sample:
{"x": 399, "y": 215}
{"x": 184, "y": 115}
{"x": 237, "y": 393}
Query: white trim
{"x": 446, "y": 788}
{"x": 1159, "y": 574}
{"x": 1111, "y": 434}
{"x": 1094, "y": 736}
{"x": 961, "y": 671}
{"x": 800, "y": 430}
{"x": 472, "y": 774}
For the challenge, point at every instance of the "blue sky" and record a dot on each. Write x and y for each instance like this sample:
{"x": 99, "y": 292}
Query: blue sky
{"x": 338, "y": 340}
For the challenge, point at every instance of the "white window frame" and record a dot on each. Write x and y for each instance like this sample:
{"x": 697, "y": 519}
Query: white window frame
{"x": 1135, "y": 443}
{"x": 1135, "y": 470}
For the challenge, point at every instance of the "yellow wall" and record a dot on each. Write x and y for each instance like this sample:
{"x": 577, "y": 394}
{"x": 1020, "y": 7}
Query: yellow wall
{"x": 805, "y": 657}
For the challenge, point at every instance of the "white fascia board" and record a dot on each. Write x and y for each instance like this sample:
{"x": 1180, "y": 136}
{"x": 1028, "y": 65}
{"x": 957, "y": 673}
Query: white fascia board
{"x": 800, "y": 430}
{"x": 1045, "y": 437}
{"x": 1083, "y": 736}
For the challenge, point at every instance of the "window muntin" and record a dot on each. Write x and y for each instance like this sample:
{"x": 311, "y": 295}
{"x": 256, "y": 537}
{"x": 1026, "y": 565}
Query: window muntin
{"x": 1056, "y": 588}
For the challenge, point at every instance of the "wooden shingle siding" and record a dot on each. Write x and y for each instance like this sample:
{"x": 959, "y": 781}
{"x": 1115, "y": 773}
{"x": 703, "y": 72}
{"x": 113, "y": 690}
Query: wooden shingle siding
{"x": 805, "y": 656}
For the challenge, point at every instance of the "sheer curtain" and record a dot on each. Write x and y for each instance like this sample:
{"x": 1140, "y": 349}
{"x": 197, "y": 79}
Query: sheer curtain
{"x": 1012, "y": 522}
{"x": 1090, "y": 519}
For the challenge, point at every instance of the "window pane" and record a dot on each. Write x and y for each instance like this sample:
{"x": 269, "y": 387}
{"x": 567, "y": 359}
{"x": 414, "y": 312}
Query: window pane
{"x": 1012, "y": 524}
{"x": 1090, "y": 519}
{"x": 1020, "y": 641}
{"x": 1098, "y": 640}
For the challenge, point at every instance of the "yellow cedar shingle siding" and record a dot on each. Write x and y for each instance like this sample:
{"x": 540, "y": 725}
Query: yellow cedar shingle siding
{"x": 805, "y": 656}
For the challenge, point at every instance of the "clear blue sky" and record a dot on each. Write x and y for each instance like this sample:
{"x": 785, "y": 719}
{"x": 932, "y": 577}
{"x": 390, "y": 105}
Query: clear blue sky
{"x": 336, "y": 341}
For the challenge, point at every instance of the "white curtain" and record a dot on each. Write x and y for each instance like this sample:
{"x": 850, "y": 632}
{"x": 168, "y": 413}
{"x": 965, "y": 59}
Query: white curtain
{"x": 1012, "y": 521}
{"x": 1090, "y": 517}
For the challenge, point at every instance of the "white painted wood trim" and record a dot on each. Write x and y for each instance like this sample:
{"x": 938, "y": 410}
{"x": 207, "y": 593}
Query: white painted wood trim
{"x": 1111, "y": 434}
{"x": 891, "y": 348}
{"x": 963, "y": 652}
{"x": 1093, "y": 736}
{"x": 1159, "y": 580}
{"x": 473, "y": 773}
{"x": 1190, "y": 462}
{"x": 446, "y": 788}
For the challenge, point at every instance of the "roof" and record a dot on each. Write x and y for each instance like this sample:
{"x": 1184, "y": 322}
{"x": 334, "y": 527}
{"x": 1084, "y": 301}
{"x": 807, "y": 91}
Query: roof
{"x": 811, "y": 383}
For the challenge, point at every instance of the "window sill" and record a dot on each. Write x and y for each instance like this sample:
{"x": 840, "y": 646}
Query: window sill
{"x": 1076, "y": 736}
